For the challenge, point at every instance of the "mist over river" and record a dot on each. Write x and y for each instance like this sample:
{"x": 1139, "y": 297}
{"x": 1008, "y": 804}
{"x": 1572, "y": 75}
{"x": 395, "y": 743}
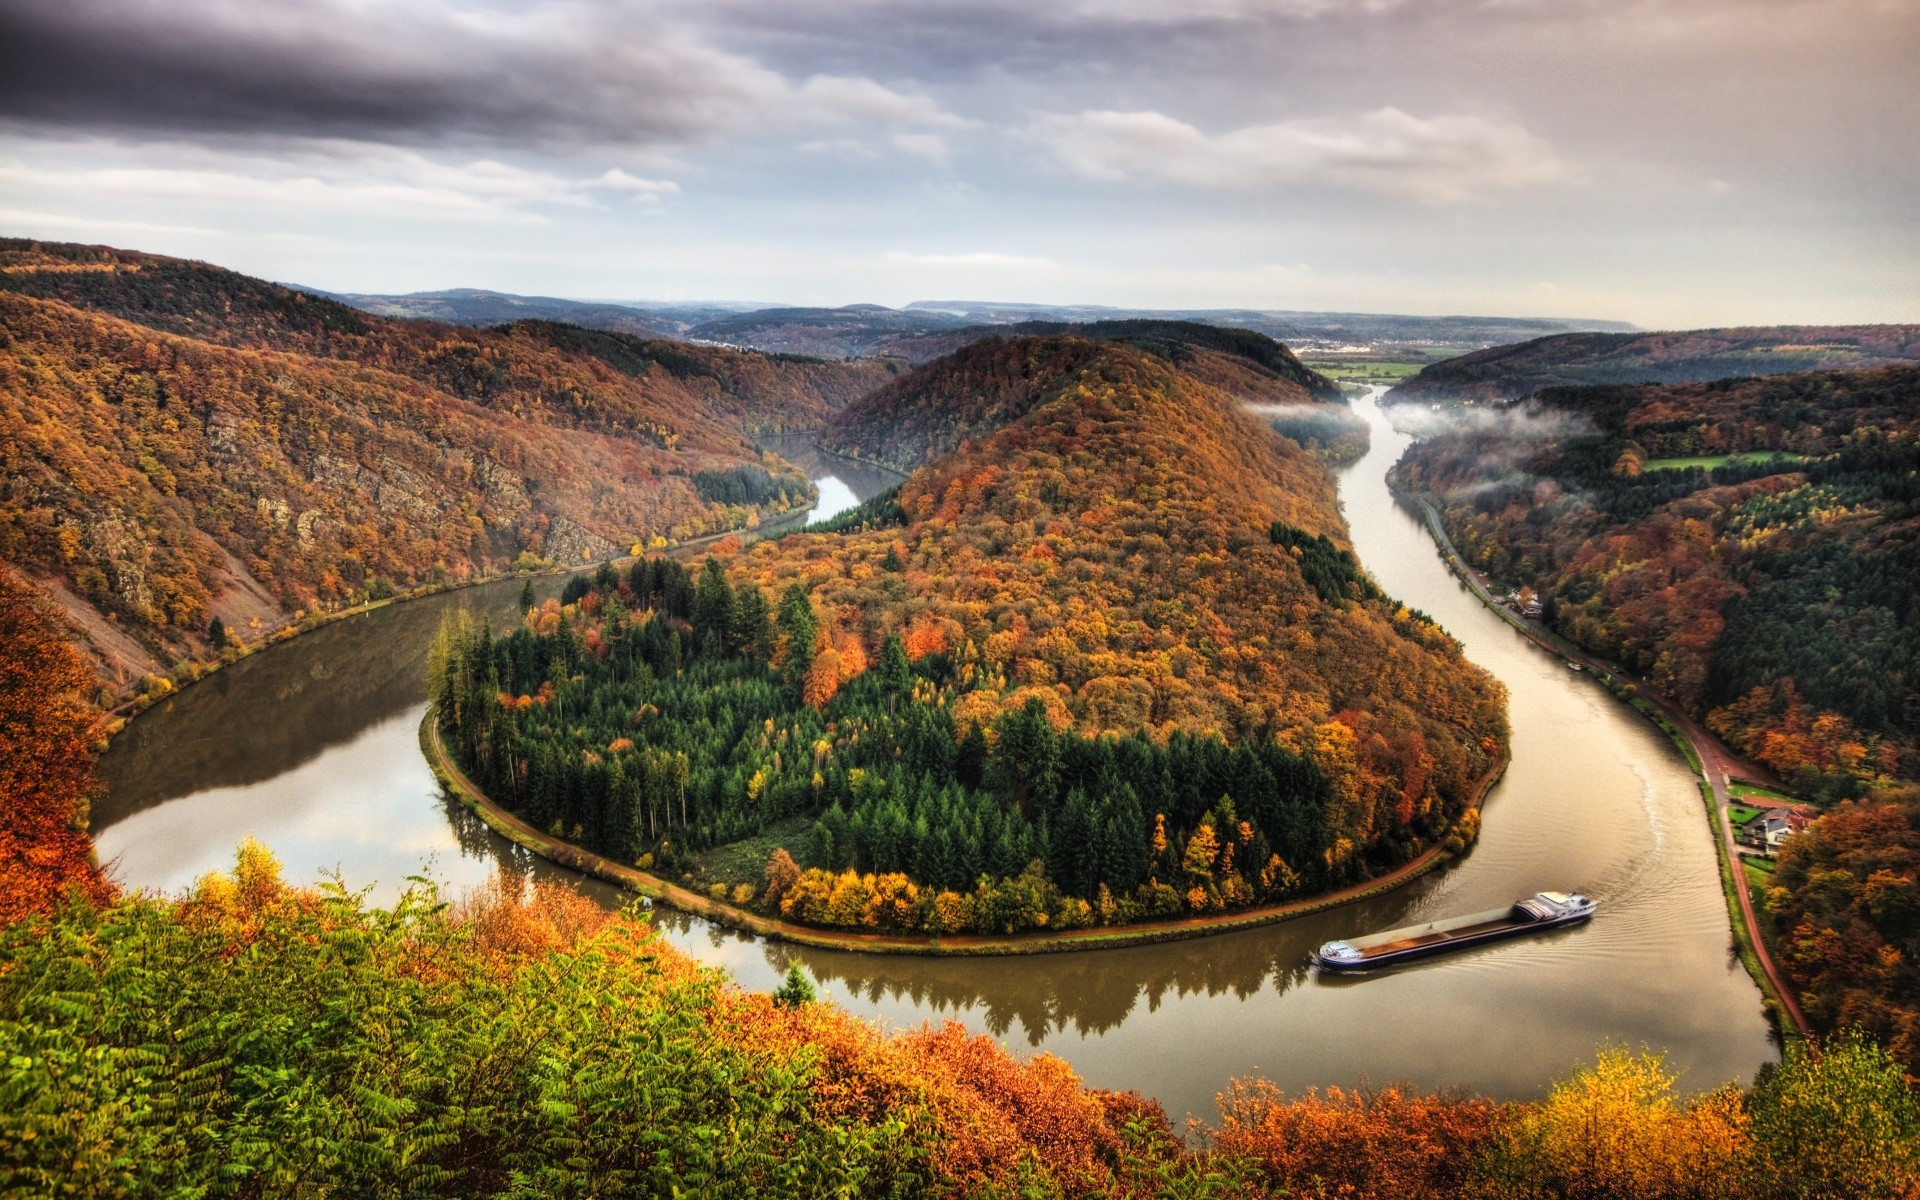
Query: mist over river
{"x": 311, "y": 747}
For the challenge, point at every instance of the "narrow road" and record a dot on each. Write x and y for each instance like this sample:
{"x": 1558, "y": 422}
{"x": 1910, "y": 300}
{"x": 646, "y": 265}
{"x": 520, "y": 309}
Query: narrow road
{"x": 1718, "y": 763}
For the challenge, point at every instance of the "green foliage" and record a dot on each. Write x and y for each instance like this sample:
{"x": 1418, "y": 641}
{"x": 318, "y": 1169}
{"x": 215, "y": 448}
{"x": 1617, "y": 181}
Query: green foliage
{"x": 748, "y": 484}
{"x": 796, "y": 989}
{"x": 880, "y": 511}
{"x": 1840, "y": 1121}
{"x": 1331, "y": 571}
{"x": 338, "y": 1050}
{"x": 1773, "y": 597}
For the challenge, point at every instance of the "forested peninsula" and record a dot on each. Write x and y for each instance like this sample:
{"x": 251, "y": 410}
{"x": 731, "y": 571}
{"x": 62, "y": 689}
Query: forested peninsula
{"x": 1108, "y": 659}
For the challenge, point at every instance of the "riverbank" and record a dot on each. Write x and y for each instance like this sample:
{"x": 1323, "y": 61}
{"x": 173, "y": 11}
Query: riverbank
{"x": 1713, "y": 764}
{"x": 117, "y": 717}
{"x": 654, "y": 888}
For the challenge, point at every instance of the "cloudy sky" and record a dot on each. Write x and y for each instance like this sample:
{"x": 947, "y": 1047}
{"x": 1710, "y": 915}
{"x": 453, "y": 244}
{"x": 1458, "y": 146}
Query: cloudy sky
{"x": 1667, "y": 162}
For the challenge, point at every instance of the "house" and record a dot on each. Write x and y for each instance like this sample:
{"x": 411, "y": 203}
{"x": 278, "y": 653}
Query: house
{"x": 1770, "y": 830}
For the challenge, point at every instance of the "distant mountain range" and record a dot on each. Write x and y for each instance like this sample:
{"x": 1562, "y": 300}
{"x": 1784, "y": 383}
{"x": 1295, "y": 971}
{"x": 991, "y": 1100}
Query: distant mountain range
{"x": 860, "y": 330}
{"x": 1694, "y": 356}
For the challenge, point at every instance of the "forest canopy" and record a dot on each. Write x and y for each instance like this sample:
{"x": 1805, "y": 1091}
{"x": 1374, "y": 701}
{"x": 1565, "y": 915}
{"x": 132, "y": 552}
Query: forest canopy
{"x": 1750, "y": 545}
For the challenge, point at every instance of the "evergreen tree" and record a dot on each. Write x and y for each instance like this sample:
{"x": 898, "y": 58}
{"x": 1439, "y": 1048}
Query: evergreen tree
{"x": 713, "y": 609}
{"x": 798, "y": 629}
{"x": 796, "y": 990}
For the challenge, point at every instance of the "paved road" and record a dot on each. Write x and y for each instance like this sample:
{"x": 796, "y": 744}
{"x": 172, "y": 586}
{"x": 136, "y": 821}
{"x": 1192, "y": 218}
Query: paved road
{"x": 1719, "y": 763}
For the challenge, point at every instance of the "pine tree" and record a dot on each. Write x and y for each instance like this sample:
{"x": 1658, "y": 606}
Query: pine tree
{"x": 798, "y": 629}
{"x": 796, "y": 990}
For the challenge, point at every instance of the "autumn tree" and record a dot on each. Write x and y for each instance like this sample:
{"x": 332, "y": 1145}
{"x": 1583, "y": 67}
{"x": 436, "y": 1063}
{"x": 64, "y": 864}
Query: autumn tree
{"x": 46, "y": 758}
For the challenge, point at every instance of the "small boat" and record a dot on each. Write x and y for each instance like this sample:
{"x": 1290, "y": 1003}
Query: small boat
{"x": 1574, "y": 666}
{"x": 1546, "y": 910}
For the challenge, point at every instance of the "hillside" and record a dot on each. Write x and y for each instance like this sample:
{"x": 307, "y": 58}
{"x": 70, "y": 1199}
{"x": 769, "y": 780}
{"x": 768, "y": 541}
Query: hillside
{"x": 1576, "y": 359}
{"x": 988, "y": 382}
{"x": 183, "y": 443}
{"x": 1773, "y": 596}
{"x": 1751, "y": 546}
{"x": 532, "y": 369}
{"x": 1109, "y": 661}
{"x": 1134, "y": 552}
{"x": 479, "y": 307}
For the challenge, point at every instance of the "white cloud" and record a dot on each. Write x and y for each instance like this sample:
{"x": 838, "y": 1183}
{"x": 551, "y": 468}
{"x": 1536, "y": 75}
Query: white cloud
{"x": 979, "y": 258}
{"x": 1447, "y": 158}
{"x": 930, "y": 146}
{"x": 332, "y": 178}
{"x": 856, "y": 98}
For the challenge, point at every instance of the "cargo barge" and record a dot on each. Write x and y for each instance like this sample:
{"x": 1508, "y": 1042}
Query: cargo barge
{"x": 1546, "y": 910}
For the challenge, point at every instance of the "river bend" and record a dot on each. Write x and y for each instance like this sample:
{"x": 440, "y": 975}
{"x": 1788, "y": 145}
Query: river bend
{"x": 311, "y": 747}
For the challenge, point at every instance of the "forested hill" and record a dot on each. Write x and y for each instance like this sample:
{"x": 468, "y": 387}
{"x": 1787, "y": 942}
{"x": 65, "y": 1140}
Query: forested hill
{"x": 1750, "y": 544}
{"x": 996, "y": 380}
{"x": 1573, "y": 359}
{"x": 1135, "y": 552}
{"x": 536, "y": 370}
{"x": 183, "y": 443}
{"x": 1258, "y": 362}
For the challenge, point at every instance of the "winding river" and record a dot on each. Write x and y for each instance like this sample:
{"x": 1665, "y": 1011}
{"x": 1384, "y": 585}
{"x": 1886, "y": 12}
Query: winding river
{"x": 311, "y": 747}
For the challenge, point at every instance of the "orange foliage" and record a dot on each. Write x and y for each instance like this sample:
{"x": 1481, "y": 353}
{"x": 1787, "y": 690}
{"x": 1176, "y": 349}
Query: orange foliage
{"x": 823, "y": 678}
{"x": 1356, "y": 1144}
{"x": 853, "y": 658}
{"x": 156, "y": 413}
{"x": 1175, "y": 611}
{"x": 925, "y": 636}
{"x": 46, "y": 759}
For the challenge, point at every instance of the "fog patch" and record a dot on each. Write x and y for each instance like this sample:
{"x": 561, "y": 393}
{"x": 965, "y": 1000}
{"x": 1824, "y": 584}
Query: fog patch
{"x": 1484, "y": 450}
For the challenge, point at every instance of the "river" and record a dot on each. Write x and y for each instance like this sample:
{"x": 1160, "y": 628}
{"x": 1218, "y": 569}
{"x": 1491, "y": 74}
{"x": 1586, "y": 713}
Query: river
{"x": 311, "y": 747}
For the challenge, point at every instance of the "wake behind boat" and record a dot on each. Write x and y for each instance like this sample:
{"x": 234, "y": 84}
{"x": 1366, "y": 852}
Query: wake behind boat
{"x": 1546, "y": 910}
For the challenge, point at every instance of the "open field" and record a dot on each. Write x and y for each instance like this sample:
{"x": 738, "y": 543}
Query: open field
{"x": 1363, "y": 370}
{"x": 1708, "y": 462}
{"x": 746, "y": 861}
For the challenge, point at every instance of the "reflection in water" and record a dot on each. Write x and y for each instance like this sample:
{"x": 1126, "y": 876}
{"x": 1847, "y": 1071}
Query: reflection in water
{"x": 312, "y": 746}
{"x": 269, "y": 713}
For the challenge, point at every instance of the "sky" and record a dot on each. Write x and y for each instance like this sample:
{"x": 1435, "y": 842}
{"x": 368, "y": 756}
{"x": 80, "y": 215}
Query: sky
{"x": 1674, "y": 163}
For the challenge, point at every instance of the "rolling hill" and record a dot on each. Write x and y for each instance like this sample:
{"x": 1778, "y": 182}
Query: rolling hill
{"x": 1574, "y": 359}
{"x": 1749, "y": 544}
{"x": 984, "y": 383}
{"x": 184, "y": 443}
{"x": 1129, "y": 547}
{"x": 926, "y": 329}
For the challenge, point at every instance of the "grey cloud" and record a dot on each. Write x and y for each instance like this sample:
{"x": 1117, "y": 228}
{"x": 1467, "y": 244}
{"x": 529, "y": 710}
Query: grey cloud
{"x": 408, "y": 72}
